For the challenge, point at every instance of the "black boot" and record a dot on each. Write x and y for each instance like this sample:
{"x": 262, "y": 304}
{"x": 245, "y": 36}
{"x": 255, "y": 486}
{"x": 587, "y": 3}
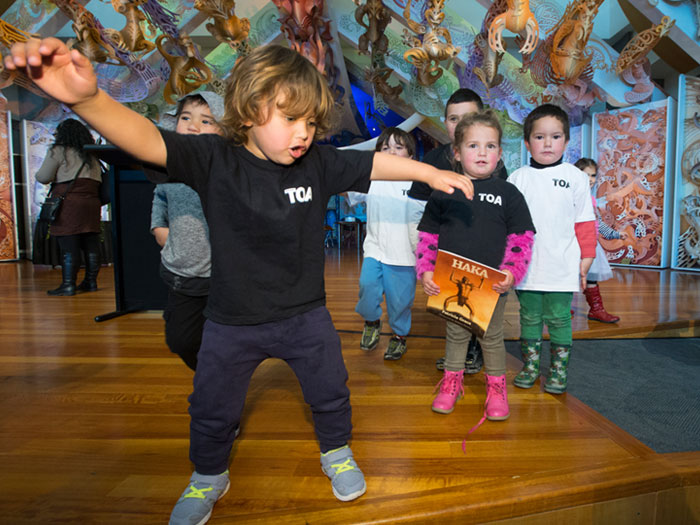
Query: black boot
{"x": 92, "y": 268}
{"x": 68, "y": 270}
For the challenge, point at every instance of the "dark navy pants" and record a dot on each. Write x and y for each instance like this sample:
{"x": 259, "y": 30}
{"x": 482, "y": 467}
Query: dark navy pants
{"x": 226, "y": 361}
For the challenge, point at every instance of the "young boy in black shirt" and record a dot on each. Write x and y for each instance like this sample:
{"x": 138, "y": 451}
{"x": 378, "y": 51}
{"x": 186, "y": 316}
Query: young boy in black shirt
{"x": 264, "y": 189}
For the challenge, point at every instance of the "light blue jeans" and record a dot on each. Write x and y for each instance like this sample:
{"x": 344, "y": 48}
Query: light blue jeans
{"x": 397, "y": 284}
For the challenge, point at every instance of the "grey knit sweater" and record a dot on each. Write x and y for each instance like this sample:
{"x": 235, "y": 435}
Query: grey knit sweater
{"x": 187, "y": 251}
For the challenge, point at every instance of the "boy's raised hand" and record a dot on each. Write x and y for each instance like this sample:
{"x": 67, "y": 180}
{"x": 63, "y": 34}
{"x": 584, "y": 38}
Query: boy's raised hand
{"x": 449, "y": 181}
{"x": 64, "y": 74}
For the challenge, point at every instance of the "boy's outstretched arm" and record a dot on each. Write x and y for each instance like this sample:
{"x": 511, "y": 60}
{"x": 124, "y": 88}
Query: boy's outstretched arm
{"x": 68, "y": 76}
{"x": 391, "y": 167}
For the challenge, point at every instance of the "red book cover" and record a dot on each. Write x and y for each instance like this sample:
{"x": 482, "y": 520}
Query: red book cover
{"x": 466, "y": 293}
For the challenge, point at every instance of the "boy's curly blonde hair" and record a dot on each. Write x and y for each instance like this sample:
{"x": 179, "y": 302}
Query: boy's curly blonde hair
{"x": 271, "y": 74}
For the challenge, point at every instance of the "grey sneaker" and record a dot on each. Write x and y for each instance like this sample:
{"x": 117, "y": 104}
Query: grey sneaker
{"x": 475, "y": 358}
{"x": 197, "y": 502}
{"x": 347, "y": 479}
{"x": 396, "y": 349}
{"x": 370, "y": 335}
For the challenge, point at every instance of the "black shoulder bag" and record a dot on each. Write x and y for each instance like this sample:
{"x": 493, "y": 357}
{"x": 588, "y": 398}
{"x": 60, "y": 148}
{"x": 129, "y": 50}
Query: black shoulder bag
{"x": 52, "y": 205}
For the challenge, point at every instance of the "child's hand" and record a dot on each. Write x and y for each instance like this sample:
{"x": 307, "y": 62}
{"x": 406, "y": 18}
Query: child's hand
{"x": 429, "y": 286}
{"x": 448, "y": 181}
{"x": 506, "y": 284}
{"x": 161, "y": 235}
{"x": 63, "y": 74}
{"x": 584, "y": 267}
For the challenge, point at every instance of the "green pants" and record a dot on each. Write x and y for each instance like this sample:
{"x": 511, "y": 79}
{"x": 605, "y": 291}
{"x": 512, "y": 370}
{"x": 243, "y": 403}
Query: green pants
{"x": 553, "y": 308}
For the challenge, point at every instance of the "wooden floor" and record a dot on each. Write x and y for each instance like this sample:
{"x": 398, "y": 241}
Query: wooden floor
{"x": 94, "y": 424}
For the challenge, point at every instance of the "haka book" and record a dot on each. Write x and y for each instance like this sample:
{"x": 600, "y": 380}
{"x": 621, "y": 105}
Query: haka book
{"x": 466, "y": 293}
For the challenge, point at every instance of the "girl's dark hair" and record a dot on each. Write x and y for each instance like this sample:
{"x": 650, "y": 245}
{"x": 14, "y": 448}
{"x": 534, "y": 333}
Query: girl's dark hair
{"x": 585, "y": 162}
{"x": 74, "y": 134}
{"x": 400, "y": 137}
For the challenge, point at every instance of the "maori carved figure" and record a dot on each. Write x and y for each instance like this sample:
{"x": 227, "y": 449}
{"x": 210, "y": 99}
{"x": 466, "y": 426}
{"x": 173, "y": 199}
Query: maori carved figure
{"x": 435, "y": 47}
{"x": 577, "y": 94}
{"x": 654, "y": 3}
{"x": 9, "y": 34}
{"x": 519, "y": 19}
{"x": 308, "y": 31}
{"x": 638, "y": 75}
{"x": 131, "y": 38}
{"x": 378, "y": 18}
{"x": 641, "y": 44}
{"x": 379, "y": 77}
{"x": 227, "y": 27}
{"x": 187, "y": 72}
{"x": 87, "y": 31}
{"x": 20, "y": 79}
{"x": 633, "y": 65}
{"x": 487, "y": 72}
{"x": 569, "y": 55}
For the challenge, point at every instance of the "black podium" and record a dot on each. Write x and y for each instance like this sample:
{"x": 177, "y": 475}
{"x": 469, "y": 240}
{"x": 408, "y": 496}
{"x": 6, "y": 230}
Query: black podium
{"x": 137, "y": 282}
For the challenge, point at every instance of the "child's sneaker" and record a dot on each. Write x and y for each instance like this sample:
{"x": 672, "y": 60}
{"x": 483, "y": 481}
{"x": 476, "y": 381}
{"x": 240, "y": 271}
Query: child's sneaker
{"x": 197, "y": 502}
{"x": 347, "y": 479}
{"x": 396, "y": 349}
{"x": 370, "y": 335}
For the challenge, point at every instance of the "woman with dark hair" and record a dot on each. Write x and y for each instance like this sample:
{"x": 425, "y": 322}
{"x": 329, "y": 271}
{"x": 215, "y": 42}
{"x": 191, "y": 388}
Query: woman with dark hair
{"x": 77, "y": 227}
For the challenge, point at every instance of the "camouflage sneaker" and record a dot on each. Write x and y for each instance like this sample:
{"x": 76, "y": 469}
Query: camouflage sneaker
{"x": 370, "y": 335}
{"x": 197, "y": 502}
{"x": 396, "y": 349}
{"x": 347, "y": 479}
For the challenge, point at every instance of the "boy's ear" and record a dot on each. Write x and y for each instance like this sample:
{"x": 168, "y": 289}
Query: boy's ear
{"x": 527, "y": 146}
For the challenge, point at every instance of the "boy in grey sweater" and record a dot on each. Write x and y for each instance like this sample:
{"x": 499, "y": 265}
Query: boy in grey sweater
{"x": 179, "y": 226}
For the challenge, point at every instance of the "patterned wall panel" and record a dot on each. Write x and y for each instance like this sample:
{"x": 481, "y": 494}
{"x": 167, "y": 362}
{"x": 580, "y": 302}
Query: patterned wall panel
{"x": 9, "y": 249}
{"x": 686, "y": 217}
{"x": 630, "y": 146}
{"x": 36, "y": 139}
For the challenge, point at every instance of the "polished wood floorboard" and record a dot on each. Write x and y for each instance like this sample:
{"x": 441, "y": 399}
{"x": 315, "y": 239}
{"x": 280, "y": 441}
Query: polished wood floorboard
{"x": 94, "y": 424}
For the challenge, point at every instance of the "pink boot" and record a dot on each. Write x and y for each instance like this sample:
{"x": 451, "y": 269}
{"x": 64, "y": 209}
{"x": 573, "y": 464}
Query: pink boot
{"x": 496, "y": 407}
{"x": 451, "y": 389}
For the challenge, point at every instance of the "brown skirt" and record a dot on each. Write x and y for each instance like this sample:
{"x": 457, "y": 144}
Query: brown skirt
{"x": 80, "y": 211}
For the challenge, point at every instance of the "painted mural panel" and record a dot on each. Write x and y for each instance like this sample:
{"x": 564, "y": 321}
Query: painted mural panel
{"x": 37, "y": 139}
{"x": 8, "y": 211}
{"x": 574, "y": 150}
{"x": 630, "y": 148}
{"x": 686, "y": 252}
